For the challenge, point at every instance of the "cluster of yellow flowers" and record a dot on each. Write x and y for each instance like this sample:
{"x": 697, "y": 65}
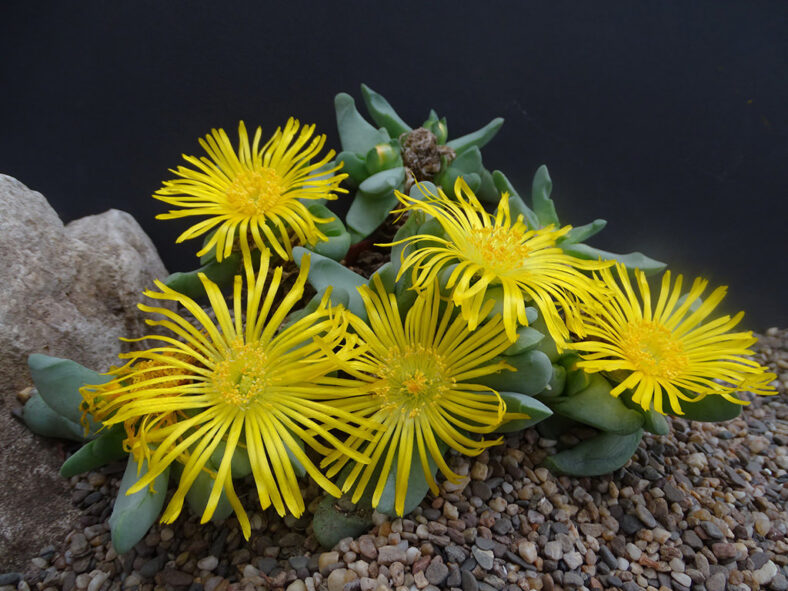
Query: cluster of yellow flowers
{"x": 370, "y": 395}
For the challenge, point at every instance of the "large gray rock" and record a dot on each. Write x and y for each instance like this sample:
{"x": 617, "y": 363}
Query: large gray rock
{"x": 68, "y": 291}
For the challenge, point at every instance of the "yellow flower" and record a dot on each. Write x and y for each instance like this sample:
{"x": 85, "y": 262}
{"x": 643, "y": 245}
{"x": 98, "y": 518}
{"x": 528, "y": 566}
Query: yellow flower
{"x": 668, "y": 349}
{"x": 256, "y": 190}
{"x": 489, "y": 252}
{"x": 419, "y": 381}
{"x": 236, "y": 383}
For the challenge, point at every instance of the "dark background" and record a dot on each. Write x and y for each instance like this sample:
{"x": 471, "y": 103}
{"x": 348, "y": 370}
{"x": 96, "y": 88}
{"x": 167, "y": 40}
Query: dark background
{"x": 666, "y": 118}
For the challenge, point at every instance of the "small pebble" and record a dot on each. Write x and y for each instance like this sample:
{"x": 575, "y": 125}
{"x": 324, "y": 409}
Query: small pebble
{"x": 682, "y": 579}
{"x": 553, "y": 550}
{"x": 208, "y": 563}
{"x": 483, "y": 557}
{"x": 765, "y": 574}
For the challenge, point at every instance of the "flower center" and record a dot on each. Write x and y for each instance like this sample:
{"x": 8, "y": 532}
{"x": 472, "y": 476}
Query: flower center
{"x": 413, "y": 379}
{"x": 256, "y": 192}
{"x": 244, "y": 376}
{"x": 653, "y": 350}
{"x": 499, "y": 249}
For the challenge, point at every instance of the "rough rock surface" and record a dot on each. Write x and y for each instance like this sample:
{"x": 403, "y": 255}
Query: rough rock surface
{"x": 68, "y": 291}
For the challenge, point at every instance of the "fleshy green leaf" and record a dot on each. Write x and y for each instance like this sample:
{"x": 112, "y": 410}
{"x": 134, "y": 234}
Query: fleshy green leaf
{"x": 582, "y": 233}
{"x": 478, "y": 138}
{"x": 199, "y": 493}
{"x": 373, "y": 202}
{"x": 42, "y": 420}
{"x": 710, "y": 409}
{"x": 487, "y": 192}
{"x": 596, "y": 407}
{"x": 356, "y": 134}
{"x": 450, "y": 176}
{"x": 106, "y": 448}
{"x": 367, "y": 213}
{"x": 540, "y": 198}
{"x": 547, "y": 344}
{"x": 655, "y": 423}
{"x": 324, "y": 272}
{"x": 527, "y": 338}
{"x": 440, "y": 130}
{"x": 354, "y": 166}
{"x": 383, "y": 113}
{"x": 467, "y": 165}
{"x": 432, "y": 227}
{"x": 599, "y": 455}
{"x": 335, "y": 247}
{"x": 520, "y": 403}
{"x": 633, "y": 260}
{"x": 420, "y": 189}
{"x": 58, "y": 382}
{"x": 533, "y": 371}
{"x": 468, "y": 162}
{"x": 430, "y": 120}
{"x": 576, "y": 381}
{"x": 133, "y": 515}
{"x": 336, "y": 519}
{"x": 516, "y": 204}
{"x": 383, "y": 182}
{"x": 417, "y": 489}
{"x": 557, "y": 383}
{"x": 338, "y": 242}
{"x": 221, "y": 274}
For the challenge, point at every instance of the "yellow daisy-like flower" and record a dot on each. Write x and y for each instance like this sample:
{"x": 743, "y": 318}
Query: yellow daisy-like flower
{"x": 669, "y": 349}
{"x": 490, "y": 252}
{"x": 242, "y": 385}
{"x": 254, "y": 190}
{"x": 419, "y": 381}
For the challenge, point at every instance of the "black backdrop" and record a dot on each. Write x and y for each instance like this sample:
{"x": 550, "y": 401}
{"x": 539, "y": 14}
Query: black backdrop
{"x": 666, "y": 118}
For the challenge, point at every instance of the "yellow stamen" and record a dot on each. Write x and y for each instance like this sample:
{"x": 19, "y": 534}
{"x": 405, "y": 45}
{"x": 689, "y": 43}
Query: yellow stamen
{"x": 256, "y": 192}
{"x": 652, "y": 348}
{"x": 243, "y": 377}
{"x": 498, "y": 249}
{"x": 411, "y": 379}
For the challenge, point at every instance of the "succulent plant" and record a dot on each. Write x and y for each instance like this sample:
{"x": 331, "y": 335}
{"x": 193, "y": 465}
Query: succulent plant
{"x": 479, "y": 323}
{"x": 390, "y": 157}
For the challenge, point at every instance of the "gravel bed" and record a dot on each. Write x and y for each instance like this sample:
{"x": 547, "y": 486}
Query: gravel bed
{"x": 701, "y": 508}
